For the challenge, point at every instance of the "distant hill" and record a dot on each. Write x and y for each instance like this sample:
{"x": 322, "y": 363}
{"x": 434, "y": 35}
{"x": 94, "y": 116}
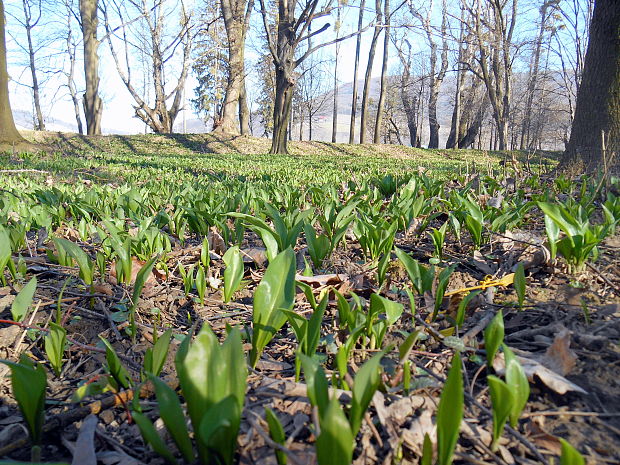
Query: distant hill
{"x": 24, "y": 121}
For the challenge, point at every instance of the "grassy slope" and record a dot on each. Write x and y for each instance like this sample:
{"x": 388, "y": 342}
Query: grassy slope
{"x": 211, "y": 155}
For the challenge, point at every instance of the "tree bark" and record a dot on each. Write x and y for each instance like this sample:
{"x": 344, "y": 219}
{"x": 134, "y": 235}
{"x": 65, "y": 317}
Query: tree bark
{"x": 358, "y": 46}
{"x": 244, "y": 111}
{"x": 92, "y": 102}
{"x": 9, "y": 136}
{"x": 282, "y": 108}
{"x": 595, "y": 135}
{"x": 236, "y": 15}
{"x": 368, "y": 76}
{"x": 386, "y": 49}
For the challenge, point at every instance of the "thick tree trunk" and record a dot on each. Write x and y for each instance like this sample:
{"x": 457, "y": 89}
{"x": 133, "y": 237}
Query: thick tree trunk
{"x": 471, "y": 132}
{"x": 9, "y": 136}
{"x": 244, "y": 111}
{"x": 236, "y": 20}
{"x": 386, "y": 51}
{"x": 595, "y": 136}
{"x": 368, "y": 76}
{"x": 235, "y": 84}
{"x": 358, "y": 45}
{"x": 282, "y": 110}
{"x": 92, "y": 102}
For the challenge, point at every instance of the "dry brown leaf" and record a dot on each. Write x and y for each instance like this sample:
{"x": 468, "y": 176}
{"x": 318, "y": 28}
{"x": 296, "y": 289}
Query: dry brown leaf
{"x": 558, "y": 356}
{"x": 216, "y": 242}
{"x": 103, "y": 289}
{"x": 484, "y": 265}
{"x": 543, "y": 439}
{"x": 257, "y": 255}
{"x": 136, "y": 265}
{"x": 532, "y": 368}
{"x": 322, "y": 279}
{"x": 421, "y": 425}
{"x": 84, "y": 453}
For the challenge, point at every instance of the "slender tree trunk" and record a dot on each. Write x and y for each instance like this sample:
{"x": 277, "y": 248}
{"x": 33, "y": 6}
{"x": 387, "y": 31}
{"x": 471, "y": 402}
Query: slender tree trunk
{"x": 533, "y": 78}
{"x": 92, "y": 102}
{"x": 368, "y": 76}
{"x": 436, "y": 79}
{"x": 9, "y": 136}
{"x": 455, "y": 126}
{"x": 595, "y": 136}
{"x": 71, "y": 46}
{"x": 335, "y": 109}
{"x": 358, "y": 45}
{"x": 39, "y": 123}
{"x": 386, "y": 52}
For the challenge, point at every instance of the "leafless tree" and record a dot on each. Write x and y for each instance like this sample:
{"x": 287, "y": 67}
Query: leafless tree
{"x": 30, "y": 19}
{"x": 384, "y": 63}
{"x": 236, "y": 14}
{"x": 368, "y": 76}
{"x": 93, "y": 106}
{"x": 358, "y": 45}
{"x": 162, "y": 42}
{"x": 436, "y": 74}
{"x": 492, "y": 23}
{"x": 291, "y": 27}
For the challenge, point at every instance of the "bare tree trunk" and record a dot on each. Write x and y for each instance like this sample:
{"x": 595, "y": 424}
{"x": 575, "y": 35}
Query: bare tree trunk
{"x": 493, "y": 33}
{"x": 455, "y": 126}
{"x": 436, "y": 78}
{"x": 471, "y": 132}
{"x": 244, "y": 111}
{"x": 595, "y": 136}
{"x": 236, "y": 14}
{"x": 29, "y": 24}
{"x": 93, "y": 106}
{"x": 358, "y": 45}
{"x": 282, "y": 109}
{"x": 533, "y": 78}
{"x": 9, "y": 136}
{"x": 386, "y": 51}
{"x": 335, "y": 106}
{"x": 159, "y": 118}
{"x": 368, "y": 76}
{"x": 71, "y": 48}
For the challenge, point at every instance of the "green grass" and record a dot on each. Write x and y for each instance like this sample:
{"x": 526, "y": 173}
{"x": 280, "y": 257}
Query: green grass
{"x": 206, "y": 157}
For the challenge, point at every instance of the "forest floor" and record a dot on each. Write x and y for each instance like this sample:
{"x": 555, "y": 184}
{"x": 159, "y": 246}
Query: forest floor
{"x": 566, "y": 332}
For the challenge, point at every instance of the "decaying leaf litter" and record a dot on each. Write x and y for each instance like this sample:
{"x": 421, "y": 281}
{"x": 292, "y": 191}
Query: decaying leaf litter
{"x": 562, "y": 325}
